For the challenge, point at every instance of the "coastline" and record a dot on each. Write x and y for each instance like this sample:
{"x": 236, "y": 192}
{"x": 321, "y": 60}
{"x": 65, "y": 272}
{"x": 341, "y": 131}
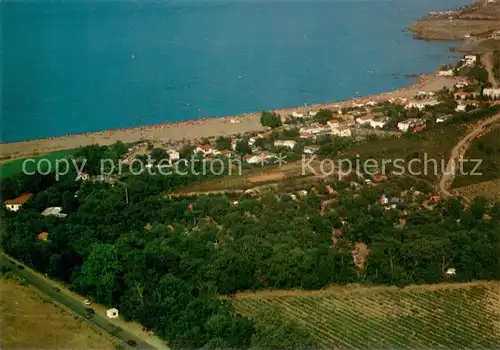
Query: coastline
{"x": 182, "y": 132}
{"x": 435, "y": 26}
{"x": 476, "y": 26}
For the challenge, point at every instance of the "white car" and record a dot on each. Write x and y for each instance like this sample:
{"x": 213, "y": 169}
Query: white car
{"x": 87, "y": 302}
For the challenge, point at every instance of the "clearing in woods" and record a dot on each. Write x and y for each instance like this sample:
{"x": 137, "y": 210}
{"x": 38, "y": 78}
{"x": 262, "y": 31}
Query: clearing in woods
{"x": 31, "y": 322}
{"x": 452, "y": 315}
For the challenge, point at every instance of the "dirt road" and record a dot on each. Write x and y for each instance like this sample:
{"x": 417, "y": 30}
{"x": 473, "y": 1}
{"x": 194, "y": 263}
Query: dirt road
{"x": 459, "y": 151}
{"x": 487, "y": 60}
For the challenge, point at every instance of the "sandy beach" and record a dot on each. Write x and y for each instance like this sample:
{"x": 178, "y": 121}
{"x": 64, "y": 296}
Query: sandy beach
{"x": 194, "y": 129}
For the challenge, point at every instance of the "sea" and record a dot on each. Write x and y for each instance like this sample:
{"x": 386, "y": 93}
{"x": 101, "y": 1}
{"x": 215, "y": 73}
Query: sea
{"x": 73, "y": 66}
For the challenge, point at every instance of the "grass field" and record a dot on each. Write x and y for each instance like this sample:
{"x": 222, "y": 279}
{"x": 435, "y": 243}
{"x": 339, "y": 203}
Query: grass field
{"x": 436, "y": 316}
{"x": 12, "y": 167}
{"x": 29, "y": 321}
{"x": 486, "y": 149}
{"x": 249, "y": 178}
{"x": 433, "y": 144}
{"x": 436, "y": 144}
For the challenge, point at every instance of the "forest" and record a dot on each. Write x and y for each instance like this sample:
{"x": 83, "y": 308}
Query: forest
{"x": 165, "y": 262}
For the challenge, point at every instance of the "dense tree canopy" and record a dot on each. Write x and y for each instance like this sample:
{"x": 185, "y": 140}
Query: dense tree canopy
{"x": 270, "y": 119}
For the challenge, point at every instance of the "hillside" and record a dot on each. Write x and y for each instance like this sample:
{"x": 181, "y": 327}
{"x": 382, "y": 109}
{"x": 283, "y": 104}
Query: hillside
{"x": 478, "y": 26}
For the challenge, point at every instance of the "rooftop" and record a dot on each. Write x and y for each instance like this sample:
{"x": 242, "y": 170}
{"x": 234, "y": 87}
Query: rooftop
{"x": 19, "y": 200}
{"x": 205, "y": 147}
{"x": 56, "y": 211}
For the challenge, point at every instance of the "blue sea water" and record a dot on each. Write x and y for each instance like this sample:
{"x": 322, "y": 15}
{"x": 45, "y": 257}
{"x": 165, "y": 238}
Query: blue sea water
{"x": 76, "y": 66}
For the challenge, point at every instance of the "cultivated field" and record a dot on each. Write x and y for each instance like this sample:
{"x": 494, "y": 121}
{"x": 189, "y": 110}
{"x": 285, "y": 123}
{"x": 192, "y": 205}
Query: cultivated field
{"x": 28, "y": 321}
{"x": 488, "y": 189}
{"x": 435, "y": 316}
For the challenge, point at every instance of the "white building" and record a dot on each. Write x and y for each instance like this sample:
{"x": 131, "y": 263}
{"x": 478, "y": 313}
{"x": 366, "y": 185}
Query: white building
{"x": 342, "y": 132}
{"x": 314, "y": 129}
{"x": 258, "y": 158}
{"x": 491, "y": 92}
{"x": 446, "y": 73}
{"x": 460, "y": 108}
{"x": 451, "y": 272}
{"x": 82, "y": 176}
{"x": 365, "y": 119}
{"x": 54, "y": 211}
{"x": 461, "y": 84}
{"x": 470, "y": 60}
{"x": 173, "y": 154}
{"x": 310, "y": 149}
{"x": 333, "y": 124}
{"x": 252, "y": 140}
{"x": 421, "y": 104}
{"x": 255, "y": 159}
{"x": 379, "y": 122}
{"x": 112, "y": 313}
{"x": 405, "y": 125}
{"x": 383, "y": 200}
{"x": 205, "y": 149}
{"x": 297, "y": 114}
{"x": 443, "y": 118}
{"x": 285, "y": 143}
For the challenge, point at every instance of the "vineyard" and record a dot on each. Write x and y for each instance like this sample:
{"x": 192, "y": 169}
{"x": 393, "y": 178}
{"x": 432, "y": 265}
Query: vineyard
{"x": 488, "y": 189}
{"x": 438, "y": 316}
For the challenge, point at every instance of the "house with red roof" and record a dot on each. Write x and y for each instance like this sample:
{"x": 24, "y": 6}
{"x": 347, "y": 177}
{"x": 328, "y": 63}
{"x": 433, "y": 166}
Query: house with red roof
{"x": 17, "y": 203}
{"x": 206, "y": 149}
{"x": 366, "y": 119}
{"x": 43, "y": 236}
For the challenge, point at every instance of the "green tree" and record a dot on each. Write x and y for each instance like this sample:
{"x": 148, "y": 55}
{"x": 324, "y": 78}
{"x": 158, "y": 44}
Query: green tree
{"x": 157, "y": 154}
{"x": 323, "y": 116}
{"x": 270, "y": 119}
{"x": 223, "y": 143}
{"x": 99, "y": 275}
{"x": 242, "y": 147}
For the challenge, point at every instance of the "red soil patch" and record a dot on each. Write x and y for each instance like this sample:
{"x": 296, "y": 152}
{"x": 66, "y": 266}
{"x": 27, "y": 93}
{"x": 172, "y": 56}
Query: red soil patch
{"x": 267, "y": 177}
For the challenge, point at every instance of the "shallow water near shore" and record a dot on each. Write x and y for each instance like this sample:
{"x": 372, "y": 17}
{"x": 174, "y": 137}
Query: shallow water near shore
{"x": 72, "y": 67}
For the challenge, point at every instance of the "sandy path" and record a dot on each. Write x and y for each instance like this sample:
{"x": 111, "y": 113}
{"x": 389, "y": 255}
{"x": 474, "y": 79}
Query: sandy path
{"x": 459, "y": 151}
{"x": 195, "y": 129}
{"x": 487, "y": 60}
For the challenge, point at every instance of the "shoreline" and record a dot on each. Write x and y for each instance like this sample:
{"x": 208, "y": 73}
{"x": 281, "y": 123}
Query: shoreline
{"x": 189, "y": 130}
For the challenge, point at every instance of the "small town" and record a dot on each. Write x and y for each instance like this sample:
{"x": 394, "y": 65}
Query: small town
{"x": 303, "y": 132}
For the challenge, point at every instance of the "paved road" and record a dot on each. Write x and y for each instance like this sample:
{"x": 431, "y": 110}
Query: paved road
{"x": 72, "y": 303}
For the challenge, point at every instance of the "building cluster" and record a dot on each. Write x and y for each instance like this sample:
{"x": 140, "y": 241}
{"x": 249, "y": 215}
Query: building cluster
{"x": 333, "y": 127}
{"x": 348, "y": 121}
